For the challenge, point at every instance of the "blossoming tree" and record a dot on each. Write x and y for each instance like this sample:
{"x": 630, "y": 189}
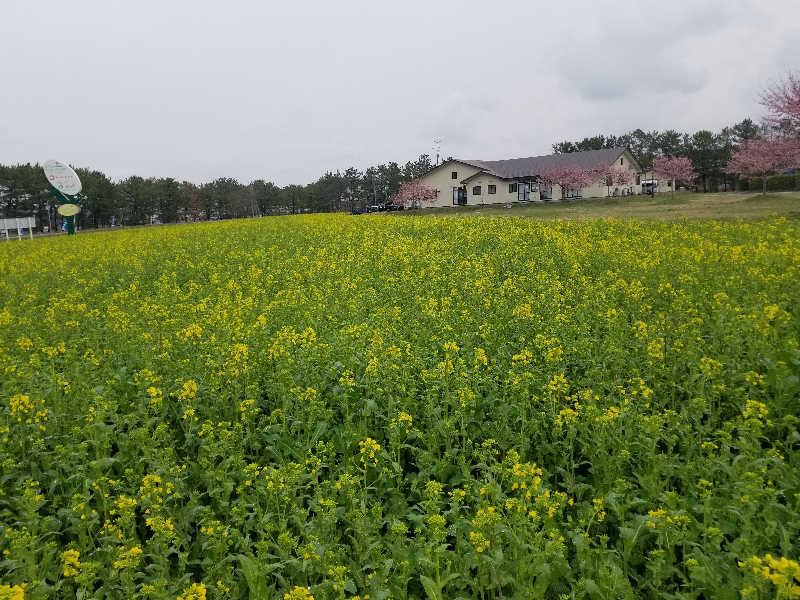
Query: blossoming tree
{"x": 764, "y": 156}
{"x": 571, "y": 179}
{"x": 783, "y": 102}
{"x": 413, "y": 194}
{"x": 675, "y": 168}
{"x": 616, "y": 176}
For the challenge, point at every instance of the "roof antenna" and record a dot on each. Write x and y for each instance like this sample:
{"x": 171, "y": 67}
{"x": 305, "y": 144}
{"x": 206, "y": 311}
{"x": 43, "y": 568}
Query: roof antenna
{"x": 437, "y": 148}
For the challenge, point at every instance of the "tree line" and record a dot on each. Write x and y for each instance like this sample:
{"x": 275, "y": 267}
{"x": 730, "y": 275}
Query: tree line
{"x": 709, "y": 151}
{"x": 136, "y": 200}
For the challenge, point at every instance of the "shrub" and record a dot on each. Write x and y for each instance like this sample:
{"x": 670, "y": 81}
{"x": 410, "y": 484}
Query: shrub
{"x": 781, "y": 182}
{"x": 776, "y": 183}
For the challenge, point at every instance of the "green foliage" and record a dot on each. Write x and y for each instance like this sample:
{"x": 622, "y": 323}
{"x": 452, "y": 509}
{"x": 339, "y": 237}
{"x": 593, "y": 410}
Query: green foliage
{"x": 775, "y": 183}
{"x": 139, "y": 201}
{"x": 328, "y": 407}
{"x": 709, "y": 151}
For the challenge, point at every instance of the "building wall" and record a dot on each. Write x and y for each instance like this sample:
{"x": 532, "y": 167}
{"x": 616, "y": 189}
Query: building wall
{"x": 440, "y": 179}
{"x": 501, "y": 195}
{"x": 662, "y": 185}
{"x": 599, "y": 189}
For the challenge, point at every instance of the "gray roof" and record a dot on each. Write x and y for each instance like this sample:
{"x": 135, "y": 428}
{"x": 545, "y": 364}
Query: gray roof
{"x": 536, "y": 165}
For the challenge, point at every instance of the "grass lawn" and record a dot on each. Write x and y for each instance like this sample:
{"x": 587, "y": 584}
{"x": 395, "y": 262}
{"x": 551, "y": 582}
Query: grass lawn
{"x": 723, "y": 205}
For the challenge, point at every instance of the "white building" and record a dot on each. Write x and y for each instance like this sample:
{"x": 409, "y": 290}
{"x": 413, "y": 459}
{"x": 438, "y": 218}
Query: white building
{"x": 462, "y": 182}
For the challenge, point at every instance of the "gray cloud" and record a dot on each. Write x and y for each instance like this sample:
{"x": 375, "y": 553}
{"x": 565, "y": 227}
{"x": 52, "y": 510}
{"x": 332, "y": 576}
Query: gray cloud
{"x": 201, "y": 89}
{"x": 460, "y": 117}
{"x": 648, "y": 50}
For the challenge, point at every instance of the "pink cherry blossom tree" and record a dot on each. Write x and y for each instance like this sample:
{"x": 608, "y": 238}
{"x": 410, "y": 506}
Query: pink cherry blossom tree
{"x": 782, "y": 100}
{"x": 616, "y": 176}
{"x": 624, "y": 177}
{"x": 412, "y": 194}
{"x": 571, "y": 179}
{"x": 676, "y": 168}
{"x": 764, "y": 156}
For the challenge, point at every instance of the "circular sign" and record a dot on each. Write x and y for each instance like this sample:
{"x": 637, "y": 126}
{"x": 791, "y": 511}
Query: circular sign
{"x": 62, "y": 177}
{"x": 68, "y": 210}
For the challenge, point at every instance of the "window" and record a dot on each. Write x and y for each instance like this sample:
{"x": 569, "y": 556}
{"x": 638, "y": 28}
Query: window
{"x": 454, "y": 175}
{"x": 571, "y": 193}
{"x": 512, "y": 188}
{"x": 620, "y": 161}
{"x": 638, "y": 180}
{"x": 546, "y": 192}
{"x": 491, "y": 189}
{"x": 476, "y": 190}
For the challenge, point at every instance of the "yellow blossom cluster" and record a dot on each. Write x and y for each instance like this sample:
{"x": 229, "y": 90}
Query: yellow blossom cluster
{"x": 196, "y": 591}
{"x": 298, "y": 593}
{"x": 368, "y": 450}
{"x": 70, "y": 563}
{"x": 782, "y": 572}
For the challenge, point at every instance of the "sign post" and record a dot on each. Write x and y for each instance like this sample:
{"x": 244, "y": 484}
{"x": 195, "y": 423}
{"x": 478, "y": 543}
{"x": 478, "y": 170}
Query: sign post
{"x": 66, "y": 187}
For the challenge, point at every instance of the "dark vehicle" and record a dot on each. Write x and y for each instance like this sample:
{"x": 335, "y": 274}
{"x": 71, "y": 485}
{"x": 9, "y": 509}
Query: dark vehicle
{"x": 393, "y": 207}
{"x": 356, "y": 211}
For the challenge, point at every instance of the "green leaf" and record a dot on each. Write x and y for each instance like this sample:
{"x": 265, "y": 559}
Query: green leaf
{"x": 253, "y": 575}
{"x": 433, "y": 591}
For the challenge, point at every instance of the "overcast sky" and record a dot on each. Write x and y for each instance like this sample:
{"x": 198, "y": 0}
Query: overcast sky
{"x": 285, "y": 91}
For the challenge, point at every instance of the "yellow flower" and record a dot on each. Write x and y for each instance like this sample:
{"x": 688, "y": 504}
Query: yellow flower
{"x": 70, "y": 563}
{"x": 522, "y": 311}
{"x": 156, "y": 395}
{"x": 192, "y": 332}
{"x": 781, "y": 572}
{"x": 655, "y": 349}
{"x": 755, "y": 410}
{"x": 451, "y": 347}
{"x": 347, "y": 379}
{"x": 188, "y": 391}
{"x": 403, "y": 420}
{"x": 771, "y": 311}
{"x": 298, "y": 593}
{"x": 369, "y": 449}
{"x": 480, "y": 357}
{"x": 479, "y": 541}
{"x": 196, "y": 591}
{"x": 566, "y": 416}
{"x": 709, "y": 366}
{"x": 127, "y": 558}
{"x": 13, "y": 592}
{"x": 558, "y": 385}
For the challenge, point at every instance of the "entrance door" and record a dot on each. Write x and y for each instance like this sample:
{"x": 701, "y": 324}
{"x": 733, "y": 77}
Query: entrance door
{"x": 523, "y": 192}
{"x": 460, "y": 195}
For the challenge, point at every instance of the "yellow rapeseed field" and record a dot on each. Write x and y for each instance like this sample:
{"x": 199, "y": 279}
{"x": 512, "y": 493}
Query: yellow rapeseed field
{"x": 337, "y": 407}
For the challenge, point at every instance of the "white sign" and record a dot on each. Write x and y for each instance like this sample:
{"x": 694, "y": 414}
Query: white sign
{"x": 18, "y": 223}
{"x": 62, "y": 177}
